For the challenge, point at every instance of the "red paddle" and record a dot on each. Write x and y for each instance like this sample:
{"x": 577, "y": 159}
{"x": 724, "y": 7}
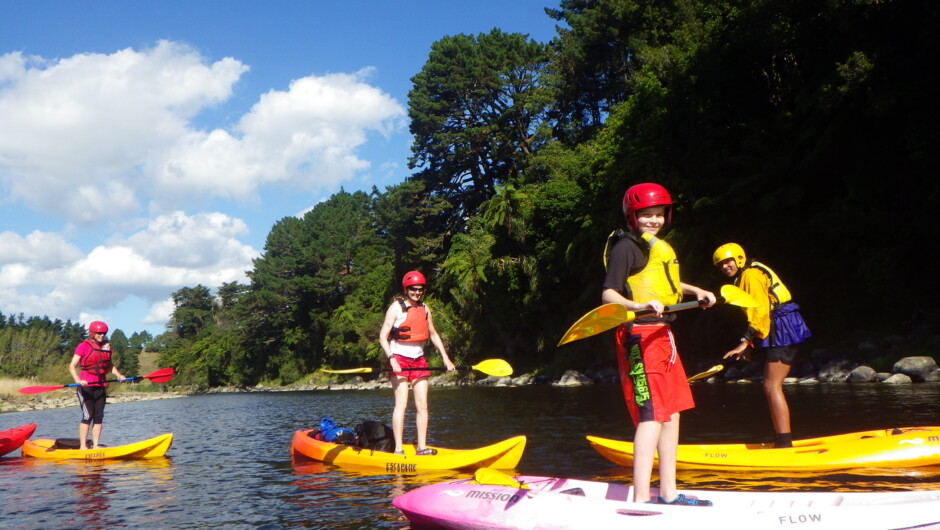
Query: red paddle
{"x": 160, "y": 376}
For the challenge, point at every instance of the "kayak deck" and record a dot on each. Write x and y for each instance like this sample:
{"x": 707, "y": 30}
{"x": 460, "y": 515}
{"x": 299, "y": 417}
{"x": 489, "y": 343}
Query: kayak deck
{"x": 899, "y": 447}
{"x": 548, "y": 503}
{"x": 152, "y": 448}
{"x": 13, "y": 439}
{"x": 501, "y": 455}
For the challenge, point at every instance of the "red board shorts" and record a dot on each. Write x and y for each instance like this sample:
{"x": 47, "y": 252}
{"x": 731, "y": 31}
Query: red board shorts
{"x": 652, "y": 376}
{"x": 408, "y": 362}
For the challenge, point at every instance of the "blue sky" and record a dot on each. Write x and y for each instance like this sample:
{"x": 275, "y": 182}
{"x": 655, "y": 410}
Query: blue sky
{"x": 149, "y": 146}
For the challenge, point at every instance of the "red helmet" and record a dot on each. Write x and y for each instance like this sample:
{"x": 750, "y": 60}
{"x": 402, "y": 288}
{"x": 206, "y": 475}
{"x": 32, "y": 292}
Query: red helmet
{"x": 413, "y": 278}
{"x": 644, "y": 195}
{"x": 97, "y": 327}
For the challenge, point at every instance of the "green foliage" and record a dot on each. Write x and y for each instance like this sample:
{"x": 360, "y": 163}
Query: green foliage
{"x": 125, "y": 357}
{"x": 476, "y": 114}
{"x": 24, "y": 351}
{"x": 802, "y": 130}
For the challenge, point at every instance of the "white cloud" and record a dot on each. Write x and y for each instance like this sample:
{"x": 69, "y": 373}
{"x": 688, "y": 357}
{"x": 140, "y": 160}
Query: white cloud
{"x": 101, "y": 141}
{"x": 173, "y": 251}
{"x": 116, "y": 130}
{"x": 160, "y": 312}
{"x": 305, "y": 137}
{"x": 42, "y": 250}
{"x": 79, "y": 131}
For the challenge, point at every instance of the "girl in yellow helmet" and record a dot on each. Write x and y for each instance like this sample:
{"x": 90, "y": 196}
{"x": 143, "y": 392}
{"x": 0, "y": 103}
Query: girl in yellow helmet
{"x": 775, "y": 326}
{"x": 643, "y": 273}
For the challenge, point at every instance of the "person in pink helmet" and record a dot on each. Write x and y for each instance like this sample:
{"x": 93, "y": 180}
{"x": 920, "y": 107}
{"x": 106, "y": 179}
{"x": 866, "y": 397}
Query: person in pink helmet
{"x": 90, "y": 367}
{"x": 643, "y": 273}
{"x": 407, "y": 328}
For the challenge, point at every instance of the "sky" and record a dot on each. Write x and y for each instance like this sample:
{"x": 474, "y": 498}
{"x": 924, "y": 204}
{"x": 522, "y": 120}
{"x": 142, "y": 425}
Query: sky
{"x": 147, "y": 146}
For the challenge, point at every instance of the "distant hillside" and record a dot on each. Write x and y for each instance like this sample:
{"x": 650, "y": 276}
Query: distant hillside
{"x": 148, "y": 362}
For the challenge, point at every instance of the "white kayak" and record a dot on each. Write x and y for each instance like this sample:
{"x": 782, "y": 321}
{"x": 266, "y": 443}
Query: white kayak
{"x": 554, "y": 503}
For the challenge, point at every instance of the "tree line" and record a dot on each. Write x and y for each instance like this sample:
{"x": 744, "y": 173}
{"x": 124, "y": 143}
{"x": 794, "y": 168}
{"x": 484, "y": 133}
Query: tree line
{"x": 41, "y": 347}
{"x": 801, "y": 130}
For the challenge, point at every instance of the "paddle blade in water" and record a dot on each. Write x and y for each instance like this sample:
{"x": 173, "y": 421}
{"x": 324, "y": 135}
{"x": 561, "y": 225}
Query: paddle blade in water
{"x": 596, "y": 321}
{"x": 497, "y": 367}
{"x": 736, "y": 296}
{"x": 707, "y": 373}
{"x": 492, "y": 477}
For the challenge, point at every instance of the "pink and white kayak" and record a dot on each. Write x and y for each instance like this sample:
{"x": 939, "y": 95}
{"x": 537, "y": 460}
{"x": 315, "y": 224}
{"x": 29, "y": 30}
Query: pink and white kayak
{"x": 555, "y": 503}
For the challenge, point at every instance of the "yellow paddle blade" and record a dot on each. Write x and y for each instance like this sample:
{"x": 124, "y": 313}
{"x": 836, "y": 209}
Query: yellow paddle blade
{"x": 737, "y": 296}
{"x": 497, "y": 367}
{"x": 596, "y": 321}
{"x": 348, "y": 371}
{"x": 707, "y": 373}
{"x": 492, "y": 477}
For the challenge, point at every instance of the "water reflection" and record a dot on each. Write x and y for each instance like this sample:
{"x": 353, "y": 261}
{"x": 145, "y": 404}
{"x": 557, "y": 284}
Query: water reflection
{"x": 230, "y": 465}
{"x": 863, "y": 479}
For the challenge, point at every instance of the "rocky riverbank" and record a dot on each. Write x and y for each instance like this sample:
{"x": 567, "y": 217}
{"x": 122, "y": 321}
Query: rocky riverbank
{"x": 56, "y": 400}
{"x": 822, "y": 368}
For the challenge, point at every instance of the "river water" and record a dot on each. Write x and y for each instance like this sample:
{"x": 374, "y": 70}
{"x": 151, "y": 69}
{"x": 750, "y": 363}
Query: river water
{"x": 230, "y": 464}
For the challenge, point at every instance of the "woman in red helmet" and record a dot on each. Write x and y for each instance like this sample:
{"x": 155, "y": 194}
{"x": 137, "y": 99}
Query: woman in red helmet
{"x": 407, "y": 328}
{"x": 643, "y": 273}
{"x": 90, "y": 366}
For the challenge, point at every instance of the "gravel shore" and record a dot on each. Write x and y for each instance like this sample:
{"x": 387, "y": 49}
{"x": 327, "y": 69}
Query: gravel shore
{"x": 56, "y": 400}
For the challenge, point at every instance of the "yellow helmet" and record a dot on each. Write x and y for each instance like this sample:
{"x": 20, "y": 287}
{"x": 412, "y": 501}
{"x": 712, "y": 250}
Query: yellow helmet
{"x": 730, "y": 250}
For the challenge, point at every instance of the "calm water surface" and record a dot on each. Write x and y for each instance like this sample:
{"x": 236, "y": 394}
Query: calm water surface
{"x": 230, "y": 463}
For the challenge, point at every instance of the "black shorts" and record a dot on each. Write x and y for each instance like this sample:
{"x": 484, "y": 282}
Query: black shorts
{"x": 784, "y": 354}
{"x": 91, "y": 399}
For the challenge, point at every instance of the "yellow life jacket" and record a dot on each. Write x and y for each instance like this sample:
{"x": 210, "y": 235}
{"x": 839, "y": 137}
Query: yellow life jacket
{"x": 659, "y": 279}
{"x": 779, "y": 294}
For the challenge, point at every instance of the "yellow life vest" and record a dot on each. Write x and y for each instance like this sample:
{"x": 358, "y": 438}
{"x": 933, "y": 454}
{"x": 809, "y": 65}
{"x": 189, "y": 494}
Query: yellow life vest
{"x": 779, "y": 294}
{"x": 659, "y": 279}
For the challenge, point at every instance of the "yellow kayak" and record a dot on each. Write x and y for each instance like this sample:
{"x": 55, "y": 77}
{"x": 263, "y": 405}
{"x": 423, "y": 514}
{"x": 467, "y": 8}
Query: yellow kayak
{"x": 900, "y": 447}
{"x": 152, "y": 448}
{"x": 501, "y": 455}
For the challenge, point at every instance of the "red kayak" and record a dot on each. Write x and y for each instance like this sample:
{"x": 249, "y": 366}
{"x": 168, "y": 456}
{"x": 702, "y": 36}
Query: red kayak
{"x": 12, "y": 439}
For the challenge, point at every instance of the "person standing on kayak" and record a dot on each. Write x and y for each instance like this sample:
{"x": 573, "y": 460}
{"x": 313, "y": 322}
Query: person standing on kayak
{"x": 643, "y": 273}
{"x": 90, "y": 366}
{"x": 775, "y": 327}
{"x": 407, "y": 328}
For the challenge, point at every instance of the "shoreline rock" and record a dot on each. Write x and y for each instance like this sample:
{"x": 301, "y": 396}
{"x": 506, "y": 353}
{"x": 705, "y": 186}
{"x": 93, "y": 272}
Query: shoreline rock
{"x": 58, "y": 401}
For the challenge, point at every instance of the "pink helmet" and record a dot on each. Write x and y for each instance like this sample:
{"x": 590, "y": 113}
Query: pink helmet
{"x": 97, "y": 327}
{"x": 413, "y": 278}
{"x": 644, "y": 195}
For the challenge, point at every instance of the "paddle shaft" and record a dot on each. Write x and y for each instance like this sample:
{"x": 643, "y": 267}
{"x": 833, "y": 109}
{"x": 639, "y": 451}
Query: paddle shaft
{"x": 160, "y": 376}
{"x": 137, "y": 379}
{"x": 677, "y": 307}
{"x": 437, "y": 368}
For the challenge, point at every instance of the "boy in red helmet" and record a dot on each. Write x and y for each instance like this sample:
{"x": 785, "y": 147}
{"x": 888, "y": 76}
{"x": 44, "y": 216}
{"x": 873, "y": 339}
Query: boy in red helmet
{"x": 407, "y": 328}
{"x": 93, "y": 356}
{"x": 643, "y": 273}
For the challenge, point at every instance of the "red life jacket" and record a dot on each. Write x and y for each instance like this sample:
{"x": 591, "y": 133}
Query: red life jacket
{"x": 415, "y": 326}
{"x": 98, "y": 361}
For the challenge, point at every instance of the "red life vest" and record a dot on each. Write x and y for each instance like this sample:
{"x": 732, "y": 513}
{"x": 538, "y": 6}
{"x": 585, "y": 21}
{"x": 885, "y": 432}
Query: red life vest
{"x": 415, "y": 326}
{"x": 98, "y": 360}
